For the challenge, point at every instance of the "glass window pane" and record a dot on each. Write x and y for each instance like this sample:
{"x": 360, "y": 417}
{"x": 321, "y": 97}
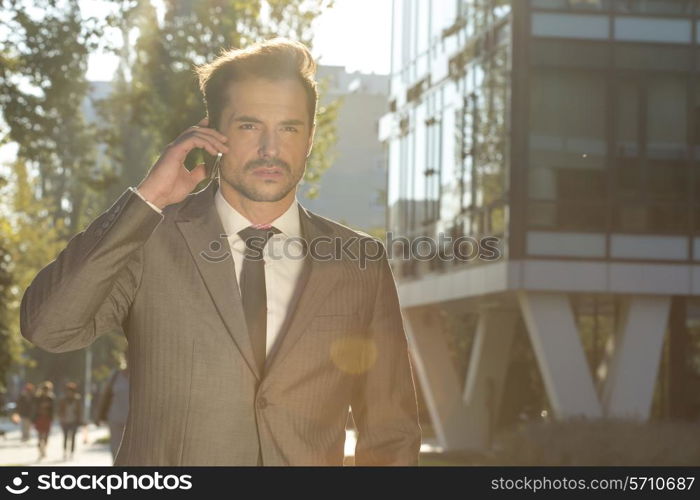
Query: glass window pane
{"x": 628, "y": 178}
{"x": 669, "y": 181}
{"x": 571, "y": 4}
{"x": 581, "y": 217}
{"x": 655, "y": 58}
{"x": 631, "y": 218}
{"x": 422, "y": 25}
{"x": 567, "y": 154}
{"x": 667, "y": 116}
{"x": 669, "y": 218}
{"x": 568, "y": 53}
{"x": 556, "y": 138}
{"x": 656, "y": 218}
{"x": 397, "y": 37}
{"x": 581, "y": 184}
{"x": 654, "y": 6}
{"x": 627, "y": 167}
{"x": 542, "y": 215}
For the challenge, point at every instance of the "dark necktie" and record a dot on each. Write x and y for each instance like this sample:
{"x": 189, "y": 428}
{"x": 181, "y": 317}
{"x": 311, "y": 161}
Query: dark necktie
{"x": 253, "y": 293}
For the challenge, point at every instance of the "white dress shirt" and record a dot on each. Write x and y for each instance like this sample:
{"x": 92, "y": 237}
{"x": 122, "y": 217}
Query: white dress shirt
{"x": 144, "y": 199}
{"x": 282, "y": 254}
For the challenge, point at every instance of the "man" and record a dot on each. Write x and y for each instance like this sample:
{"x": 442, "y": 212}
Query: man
{"x": 238, "y": 356}
{"x": 70, "y": 414}
{"x": 25, "y": 409}
{"x": 114, "y": 406}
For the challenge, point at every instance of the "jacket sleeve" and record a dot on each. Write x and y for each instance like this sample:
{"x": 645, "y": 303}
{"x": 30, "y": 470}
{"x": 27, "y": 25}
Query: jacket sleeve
{"x": 384, "y": 403}
{"x": 89, "y": 288}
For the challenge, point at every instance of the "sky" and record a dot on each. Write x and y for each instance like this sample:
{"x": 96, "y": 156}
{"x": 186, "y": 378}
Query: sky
{"x": 354, "y": 33}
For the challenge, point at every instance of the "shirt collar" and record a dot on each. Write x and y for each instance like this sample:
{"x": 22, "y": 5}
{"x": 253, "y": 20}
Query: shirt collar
{"x": 288, "y": 223}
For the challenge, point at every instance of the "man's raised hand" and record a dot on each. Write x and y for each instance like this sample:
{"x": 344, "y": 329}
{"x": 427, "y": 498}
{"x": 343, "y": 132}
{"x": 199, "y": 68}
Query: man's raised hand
{"x": 168, "y": 181}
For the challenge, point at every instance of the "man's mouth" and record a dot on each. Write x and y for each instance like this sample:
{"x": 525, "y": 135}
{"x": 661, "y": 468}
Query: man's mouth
{"x": 268, "y": 172}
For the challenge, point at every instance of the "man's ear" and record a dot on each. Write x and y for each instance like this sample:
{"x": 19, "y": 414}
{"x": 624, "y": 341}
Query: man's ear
{"x": 311, "y": 140}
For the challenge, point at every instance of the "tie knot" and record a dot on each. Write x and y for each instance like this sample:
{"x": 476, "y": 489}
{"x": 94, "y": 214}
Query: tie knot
{"x": 262, "y": 232}
{"x": 256, "y": 237}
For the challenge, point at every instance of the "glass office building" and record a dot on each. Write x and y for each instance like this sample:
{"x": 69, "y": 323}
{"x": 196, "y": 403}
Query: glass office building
{"x": 568, "y": 130}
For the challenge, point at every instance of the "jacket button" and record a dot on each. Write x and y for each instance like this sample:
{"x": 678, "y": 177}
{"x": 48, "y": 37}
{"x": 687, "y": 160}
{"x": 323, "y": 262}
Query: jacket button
{"x": 262, "y": 403}
{"x": 105, "y": 225}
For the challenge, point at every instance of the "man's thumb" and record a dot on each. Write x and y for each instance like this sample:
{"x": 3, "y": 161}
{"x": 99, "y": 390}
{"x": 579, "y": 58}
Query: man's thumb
{"x": 199, "y": 173}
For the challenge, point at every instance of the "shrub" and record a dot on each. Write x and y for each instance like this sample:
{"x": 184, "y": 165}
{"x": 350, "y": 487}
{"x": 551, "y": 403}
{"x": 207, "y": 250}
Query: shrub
{"x": 599, "y": 442}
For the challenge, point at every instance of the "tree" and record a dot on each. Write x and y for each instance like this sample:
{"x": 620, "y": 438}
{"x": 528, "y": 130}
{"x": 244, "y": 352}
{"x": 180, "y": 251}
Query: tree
{"x": 56, "y": 179}
{"x": 42, "y": 91}
{"x": 7, "y": 350}
{"x": 29, "y": 239}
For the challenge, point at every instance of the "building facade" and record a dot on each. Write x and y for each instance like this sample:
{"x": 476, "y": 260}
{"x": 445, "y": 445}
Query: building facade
{"x": 564, "y": 132}
{"x": 352, "y": 191}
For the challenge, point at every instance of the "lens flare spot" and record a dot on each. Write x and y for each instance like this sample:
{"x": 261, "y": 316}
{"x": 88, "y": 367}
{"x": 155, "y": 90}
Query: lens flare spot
{"x": 354, "y": 354}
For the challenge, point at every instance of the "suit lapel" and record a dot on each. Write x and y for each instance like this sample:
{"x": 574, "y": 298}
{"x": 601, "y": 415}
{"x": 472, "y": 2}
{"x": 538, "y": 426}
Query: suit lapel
{"x": 317, "y": 280}
{"x": 200, "y": 225}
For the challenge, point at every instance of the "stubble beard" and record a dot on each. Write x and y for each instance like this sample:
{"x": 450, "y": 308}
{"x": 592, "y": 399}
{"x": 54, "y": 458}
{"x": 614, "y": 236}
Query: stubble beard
{"x": 251, "y": 189}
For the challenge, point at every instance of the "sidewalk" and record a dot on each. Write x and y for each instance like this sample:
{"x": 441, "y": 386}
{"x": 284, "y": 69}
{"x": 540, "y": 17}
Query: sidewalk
{"x": 90, "y": 453}
{"x": 14, "y": 452}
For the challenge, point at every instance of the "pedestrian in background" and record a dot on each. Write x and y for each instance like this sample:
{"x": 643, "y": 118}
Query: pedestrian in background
{"x": 70, "y": 414}
{"x": 114, "y": 407}
{"x": 25, "y": 408}
{"x": 43, "y": 414}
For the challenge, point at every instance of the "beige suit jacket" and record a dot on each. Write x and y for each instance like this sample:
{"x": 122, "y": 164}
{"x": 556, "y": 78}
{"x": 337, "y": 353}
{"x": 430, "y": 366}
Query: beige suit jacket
{"x": 197, "y": 398}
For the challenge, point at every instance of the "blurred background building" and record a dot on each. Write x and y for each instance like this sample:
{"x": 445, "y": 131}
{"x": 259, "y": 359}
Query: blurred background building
{"x": 569, "y": 130}
{"x": 353, "y": 190}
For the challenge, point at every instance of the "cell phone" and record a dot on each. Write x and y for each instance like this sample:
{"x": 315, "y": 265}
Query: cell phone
{"x": 211, "y": 162}
{"x": 214, "y": 172}
{"x": 216, "y": 161}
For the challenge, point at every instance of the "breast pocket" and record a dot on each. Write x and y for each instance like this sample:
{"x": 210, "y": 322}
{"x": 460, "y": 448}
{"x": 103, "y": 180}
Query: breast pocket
{"x": 336, "y": 322}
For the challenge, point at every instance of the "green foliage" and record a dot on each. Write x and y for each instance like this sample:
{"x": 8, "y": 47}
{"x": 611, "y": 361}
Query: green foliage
{"x": 323, "y": 153}
{"x": 29, "y": 240}
{"x": 599, "y": 442}
{"x": 42, "y": 91}
{"x": 6, "y": 341}
{"x": 56, "y": 178}
{"x": 581, "y": 442}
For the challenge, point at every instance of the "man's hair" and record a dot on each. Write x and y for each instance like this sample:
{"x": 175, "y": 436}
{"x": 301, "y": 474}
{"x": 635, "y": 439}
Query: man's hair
{"x": 275, "y": 59}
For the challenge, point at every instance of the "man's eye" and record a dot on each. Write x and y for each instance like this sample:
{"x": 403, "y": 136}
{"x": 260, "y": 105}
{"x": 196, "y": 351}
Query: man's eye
{"x": 290, "y": 129}
{"x": 247, "y": 126}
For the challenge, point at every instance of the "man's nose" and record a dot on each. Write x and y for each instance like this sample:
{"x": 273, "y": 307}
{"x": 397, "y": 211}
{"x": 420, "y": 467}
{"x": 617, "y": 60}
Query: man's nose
{"x": 269, "y": 144}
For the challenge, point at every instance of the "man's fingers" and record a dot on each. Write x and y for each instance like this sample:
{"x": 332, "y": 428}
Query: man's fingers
{"x": 201, "y": 142}
{"x": 181, "y": 149}
{"x": 214, "y": 140}
{"x": 187, "y": 143}
{"x": 220, "y": 146}
{"x": 209, "y": 132}
{"x": 198, "y": 173}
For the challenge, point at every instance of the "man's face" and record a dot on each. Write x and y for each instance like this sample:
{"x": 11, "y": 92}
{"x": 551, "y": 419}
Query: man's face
{"x": 269, "y": 137}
